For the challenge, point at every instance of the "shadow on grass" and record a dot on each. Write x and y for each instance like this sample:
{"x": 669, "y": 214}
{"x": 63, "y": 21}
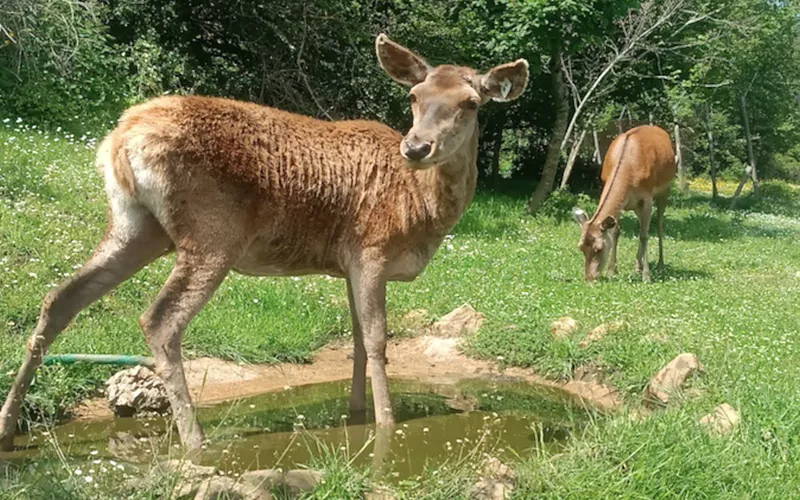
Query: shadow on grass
{"x": 701, "y": 226}
{"x": 670, "y": 273}
{"x": 775, "y": 197}
{"x": 674, "y": 273}
{"x": 626, "y": 273}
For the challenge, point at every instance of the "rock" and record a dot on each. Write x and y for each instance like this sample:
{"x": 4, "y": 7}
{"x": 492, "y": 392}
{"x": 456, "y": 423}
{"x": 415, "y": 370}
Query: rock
{"x": 722, "y": 420}
{"x": 187, "y": 470}
{"x": 292, "y": 483}
{"x": 302, "y": 480}
{"x": 136, "y": 391}
{"x": 563, "y": 327}
{"x": 497, "y": 481}
{"x": 226, "y": 488}
{"x": 671, "y": 378}
{"x": 601, "y": 331}
{"x": 266, "y": 478}
{"x": 490, "y": 489}
{"x": 205, "y": 483}
{"x": 463, "y": 320}
{"x": 496, "y": 469}
{"x": 380, "y": 493}
{"x": 188, "y": 479}
{"x": 440, "y": 349}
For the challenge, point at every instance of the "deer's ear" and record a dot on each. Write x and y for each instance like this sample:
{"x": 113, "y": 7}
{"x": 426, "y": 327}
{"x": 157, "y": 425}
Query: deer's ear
{"x": 608, "y": 223}
{"x": 505, "y": 82}
{"x": 580, "y": 216}
{"x": 404, "y": 66}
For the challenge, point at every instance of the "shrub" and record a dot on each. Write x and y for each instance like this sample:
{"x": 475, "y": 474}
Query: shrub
{"x": 57, "y": 65}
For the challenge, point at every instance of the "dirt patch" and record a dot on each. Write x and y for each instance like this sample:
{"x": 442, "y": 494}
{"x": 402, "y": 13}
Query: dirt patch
{"x": 426, "y": 358}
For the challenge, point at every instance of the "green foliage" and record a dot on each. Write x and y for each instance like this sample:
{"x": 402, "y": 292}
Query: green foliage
{"x": 57, "y": 64}
{"x": 75, "y": 64}
{"x": 560, "y": 204}
{"x": 787, "y": 165}
{"x": 747, "y": 51}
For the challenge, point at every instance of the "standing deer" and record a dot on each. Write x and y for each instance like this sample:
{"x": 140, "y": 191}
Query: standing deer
{"x": 637, "y": 171}
{"x": 230, "y": 185}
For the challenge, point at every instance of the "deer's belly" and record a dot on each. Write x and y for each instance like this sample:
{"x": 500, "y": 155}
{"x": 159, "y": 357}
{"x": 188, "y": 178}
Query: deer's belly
{"x": 286, "y": 260}
{"x": 269, "y": 258}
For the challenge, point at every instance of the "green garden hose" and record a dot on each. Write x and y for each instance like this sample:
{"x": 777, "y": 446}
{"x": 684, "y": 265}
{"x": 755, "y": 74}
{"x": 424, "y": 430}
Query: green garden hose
{"x": 100, "y": 359}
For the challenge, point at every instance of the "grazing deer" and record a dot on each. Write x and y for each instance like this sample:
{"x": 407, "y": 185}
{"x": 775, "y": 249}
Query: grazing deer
{"x": 637, "y": 172}
{"x": 230, "y": 185}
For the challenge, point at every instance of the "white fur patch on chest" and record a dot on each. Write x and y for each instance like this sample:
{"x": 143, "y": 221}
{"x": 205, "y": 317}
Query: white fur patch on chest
{"x": 411, "y": 263}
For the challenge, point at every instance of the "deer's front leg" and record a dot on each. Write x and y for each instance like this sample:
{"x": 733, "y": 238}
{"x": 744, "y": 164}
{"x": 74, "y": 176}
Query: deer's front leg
{"x": 358, "y": 395}
{"x": 612, "y": 261}
{"x": 369, "y": 295}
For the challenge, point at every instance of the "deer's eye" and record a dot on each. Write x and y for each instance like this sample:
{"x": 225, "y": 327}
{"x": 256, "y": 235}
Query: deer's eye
{"x": 412, "y": 98}
{"x": 469, "y": 104}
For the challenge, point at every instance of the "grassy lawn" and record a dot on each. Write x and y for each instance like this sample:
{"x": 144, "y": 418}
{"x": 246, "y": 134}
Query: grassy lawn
{"x": 730, "y": 294}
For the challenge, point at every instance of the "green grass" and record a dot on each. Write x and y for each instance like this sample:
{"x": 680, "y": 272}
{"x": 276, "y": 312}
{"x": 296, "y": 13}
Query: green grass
{"x": 730, "y": 294}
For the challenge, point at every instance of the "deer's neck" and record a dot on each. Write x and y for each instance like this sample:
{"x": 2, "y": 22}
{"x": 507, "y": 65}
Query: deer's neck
{"x": 614, "y": 196}
{"x": 450, "y": 186}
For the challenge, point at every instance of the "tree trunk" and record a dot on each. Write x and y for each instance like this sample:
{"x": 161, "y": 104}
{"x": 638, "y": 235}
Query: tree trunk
{"x": 550, "y": 168}
{"x": 498, "y": 144}
{"x": 597, "y": 156}
{"x": 750, "y": 156}
{"x": 750, "y": 171}
{"x": 573, "y": 155}
{"x": 679, "y": 158}
{"x": 710, "y": 132}
{"x": 739, "y": 188}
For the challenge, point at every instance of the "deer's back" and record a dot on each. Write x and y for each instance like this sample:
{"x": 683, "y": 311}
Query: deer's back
{"x": 307, "y": 192}
{"x": 645, "y": 157}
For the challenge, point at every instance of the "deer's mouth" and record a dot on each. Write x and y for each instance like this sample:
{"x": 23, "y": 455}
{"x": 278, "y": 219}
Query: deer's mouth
{"x": 419, "y": 155}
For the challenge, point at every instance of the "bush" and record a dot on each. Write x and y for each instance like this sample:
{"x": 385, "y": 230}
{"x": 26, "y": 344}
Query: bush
{"x": 560, "y": 204}
{"x": 59, "y": 67}
{"x": 787, "y": 165}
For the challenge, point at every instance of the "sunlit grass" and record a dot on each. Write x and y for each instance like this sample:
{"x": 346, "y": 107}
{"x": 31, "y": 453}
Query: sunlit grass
{"x": 730, "y": 294}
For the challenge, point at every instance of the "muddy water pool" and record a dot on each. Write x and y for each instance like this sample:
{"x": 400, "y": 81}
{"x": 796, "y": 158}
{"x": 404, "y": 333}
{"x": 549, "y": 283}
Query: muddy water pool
{"x": 436, "y": 424}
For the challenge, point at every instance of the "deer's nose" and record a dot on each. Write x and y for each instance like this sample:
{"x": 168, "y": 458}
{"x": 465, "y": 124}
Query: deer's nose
{"x": 416, "y": 150}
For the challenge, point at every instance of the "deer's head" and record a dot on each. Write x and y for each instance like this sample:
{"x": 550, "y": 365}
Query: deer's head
{"x": 595, "y": 243}
{"x": 445, "y": 99}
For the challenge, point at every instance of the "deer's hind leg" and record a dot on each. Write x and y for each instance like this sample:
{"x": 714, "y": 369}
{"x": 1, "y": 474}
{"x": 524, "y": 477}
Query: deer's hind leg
{"x": 134, "y": 239}
{"x": 193, "y": 281}
{"x": 644, "y": 211}
{"x": 661, "y": 205}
